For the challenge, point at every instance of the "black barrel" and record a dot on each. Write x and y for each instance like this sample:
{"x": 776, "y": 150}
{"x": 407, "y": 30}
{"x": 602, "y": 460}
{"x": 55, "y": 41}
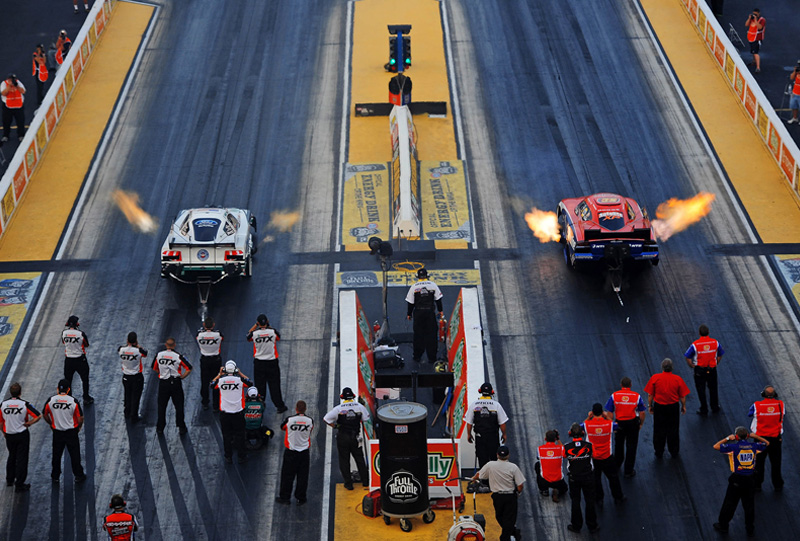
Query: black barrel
{"x": 404, "y": 459}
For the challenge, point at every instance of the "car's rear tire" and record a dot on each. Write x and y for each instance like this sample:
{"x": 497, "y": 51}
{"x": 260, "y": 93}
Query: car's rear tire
{"x": 569, "y": 257}
{"x": 248, "y": 267}
{"x": 654, "y": 262}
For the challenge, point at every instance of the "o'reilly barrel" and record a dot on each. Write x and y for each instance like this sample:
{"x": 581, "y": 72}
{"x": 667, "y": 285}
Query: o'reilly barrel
{"x": 404, "y": 459}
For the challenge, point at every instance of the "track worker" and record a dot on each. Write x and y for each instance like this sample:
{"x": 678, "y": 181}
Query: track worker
{"x": 599, "y": 432}
{"x": 421, "y": 299}
{"x": 209, "y": 341}
{"x": 629, "y": 410}
{"x": 581, "y": 479}
{"x": 506, "y": 482}
{"x": 347, "y": 418}
{"x": 65, "y": 417}
{"x": 232, "y": 386}
{"x": 12, "y": 95}
{"x": 755, "y": 25}
{"x": 666, "y": 399}
{"x": 488, "y": 418}
{"x": 172, "y": 368}
{"x": 75, "y": 343}
{"x": 741, "y": 483}
{"x": 16, "y": 416}
{"x": 40, "y": 72}
{"x": 550, "y": 466}
{"x": 703, "y": 356}
{"x": 131, "y": 356}
{"x": 119, "y": 524}
{"x": 266, "y": 370}
{"x": 767, "y": 423}
{"x": 296, "y": 441}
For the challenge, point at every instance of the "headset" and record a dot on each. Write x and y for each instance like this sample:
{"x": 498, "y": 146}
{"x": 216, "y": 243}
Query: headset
{"x": 347, "y": 394}
{"x": 576, "y": 431}
{"x": 486, "y": 389}
{"x": 773, "y": 395}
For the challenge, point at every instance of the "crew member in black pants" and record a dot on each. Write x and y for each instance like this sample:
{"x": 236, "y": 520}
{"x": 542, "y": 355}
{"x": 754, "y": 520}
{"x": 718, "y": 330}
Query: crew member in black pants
{"x": 298, "y": 429}
{"x": 172, "y": 368}
{"x": 666, "y": 397}
{"x": 581, "y": 479}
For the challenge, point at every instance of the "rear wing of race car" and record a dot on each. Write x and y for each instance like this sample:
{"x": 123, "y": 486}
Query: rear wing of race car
{"x": 178, "y": 244}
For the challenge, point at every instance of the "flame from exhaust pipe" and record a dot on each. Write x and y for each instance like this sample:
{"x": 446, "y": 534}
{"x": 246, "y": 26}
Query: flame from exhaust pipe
{"x": 675, "y": 215}
{"x": 281, "y": 221}
{"x": 544, "y": 225}
{"x": 128, "y": 203}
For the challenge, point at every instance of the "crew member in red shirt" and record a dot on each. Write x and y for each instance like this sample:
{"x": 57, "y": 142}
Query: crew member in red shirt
{"x": 550, "y": 466}
{"x": 767, "y": 423}
{"x": 703, "y": 356}
{"x": 120, "y": 524}
{"x": 599, "y": 430}
{"x": 666, "y": 398}
{"x": 628, "y": 409}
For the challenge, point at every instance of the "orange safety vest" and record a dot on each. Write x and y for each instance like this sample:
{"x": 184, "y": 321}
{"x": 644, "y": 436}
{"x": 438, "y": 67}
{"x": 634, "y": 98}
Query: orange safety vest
{"x": 14, "y": 97}
{"x": 753, "y": 32}
{"x": 42, "y": 68}
{"x": 598, "y": 433}
{"x": 551, "y": 458}
{"x": 59, "y": 51}
{"x": 706, "y": 352}
{"x": 625, "y": 402}
{"x": 768, "y": 418}
{"x": 796, "y": 87}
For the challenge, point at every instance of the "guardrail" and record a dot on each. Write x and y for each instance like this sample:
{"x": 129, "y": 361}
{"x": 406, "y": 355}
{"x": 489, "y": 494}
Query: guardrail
{"x": 773, "y": 133}
{"x": 41, "y": 129}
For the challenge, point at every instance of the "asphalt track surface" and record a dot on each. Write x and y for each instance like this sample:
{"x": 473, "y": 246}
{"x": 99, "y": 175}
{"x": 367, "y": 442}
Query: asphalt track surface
{"x": 236, "y": 104}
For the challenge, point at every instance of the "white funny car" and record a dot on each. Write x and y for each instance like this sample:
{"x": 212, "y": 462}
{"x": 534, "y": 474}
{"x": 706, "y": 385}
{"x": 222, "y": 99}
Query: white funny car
{"x": 209, "y": 244}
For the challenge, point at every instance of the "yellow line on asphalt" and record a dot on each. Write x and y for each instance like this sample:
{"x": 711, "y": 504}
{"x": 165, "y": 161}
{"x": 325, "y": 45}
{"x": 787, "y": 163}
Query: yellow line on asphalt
{"x": 43, "y": 212}
{"x": 768, "y": 199}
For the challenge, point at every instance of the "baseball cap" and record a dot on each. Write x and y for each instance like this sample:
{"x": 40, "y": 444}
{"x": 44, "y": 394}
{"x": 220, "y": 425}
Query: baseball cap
{"x": 252, "y": 391}
{"x": 503, "y": 451}
{"x": 63, "y": 386}
{"x": 72, "y": 321}
{"x": 262, "y": 319}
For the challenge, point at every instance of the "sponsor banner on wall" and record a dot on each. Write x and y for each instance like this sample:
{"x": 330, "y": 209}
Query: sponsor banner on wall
{"x": 16, "y": 293}
{"x": 366, "y": 366}
{"x": 20, "y": 180}
{"x": 365, "y": 203}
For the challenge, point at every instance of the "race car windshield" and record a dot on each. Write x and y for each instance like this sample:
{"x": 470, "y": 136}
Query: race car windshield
{"x": 205, "y": 229}
{"x": 613, "y": 221}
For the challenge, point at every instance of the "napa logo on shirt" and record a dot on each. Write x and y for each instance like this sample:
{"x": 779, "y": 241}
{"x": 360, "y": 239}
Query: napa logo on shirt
{"x": 746, "y": 459}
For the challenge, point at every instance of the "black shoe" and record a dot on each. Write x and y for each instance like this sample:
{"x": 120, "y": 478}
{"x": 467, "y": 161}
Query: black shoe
{"x": 660, "y": 455}
{"x": 86, "y": 9}
{"x": 751, "y": 533}
{"x": 228, "y": 460}
{"x": 23, "y": 488}
{"x": 88, "y": 400}
{"x": 205, "y": 406}
{"x": 9, "y": 483}
{"x": 282, "y": 501}
{"x": 572, "y": 528}
{"x": 778, "y": 488}
{"x": 348, "y": 486}
{"x": 715, "y": 410}
{"x": 620, "y": 500}
{"x": 80, "y": 478}
{"x": 517, "y": 535}
{"x": 757, "y": 488}
{"x": 720, "y": 528}
{"x": 630, "y": 474}
{"x": 545, "y": 493}
{"x": 301, "y": 502}
{"x": 593, "y": 530}
{"x": 599, "y": 503}
{"x": 56, "y": 480}
{"x": 135, "y": 419}
{"x": 183, "y": 431}
{"x": 702, "y": 412}
{"x": 284, "y": 409}
{"x": 160, "y": 432}
{"x": 242, "y": 459}
{"x": 674, "y": 455}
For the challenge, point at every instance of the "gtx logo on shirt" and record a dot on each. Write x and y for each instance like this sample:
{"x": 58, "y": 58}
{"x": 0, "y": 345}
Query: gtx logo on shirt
{"x": 263, "y": 339}
{"x": 229, "y": 386}
{"x": 208, "y": 341}
{"x": 126, "y": 357}
{"x": 10, "y": 410}
{"x": 72, "y": 339}
{"x": 61, "y": 406}
{"x": 299, "y": 428}
{"x": 167, "y": 362}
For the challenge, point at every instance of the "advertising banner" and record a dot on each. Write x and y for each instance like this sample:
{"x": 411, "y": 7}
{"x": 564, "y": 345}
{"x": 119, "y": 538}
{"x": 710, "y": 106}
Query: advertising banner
{"x": 366, "y": 366}
{"x": 442, "y": 463}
